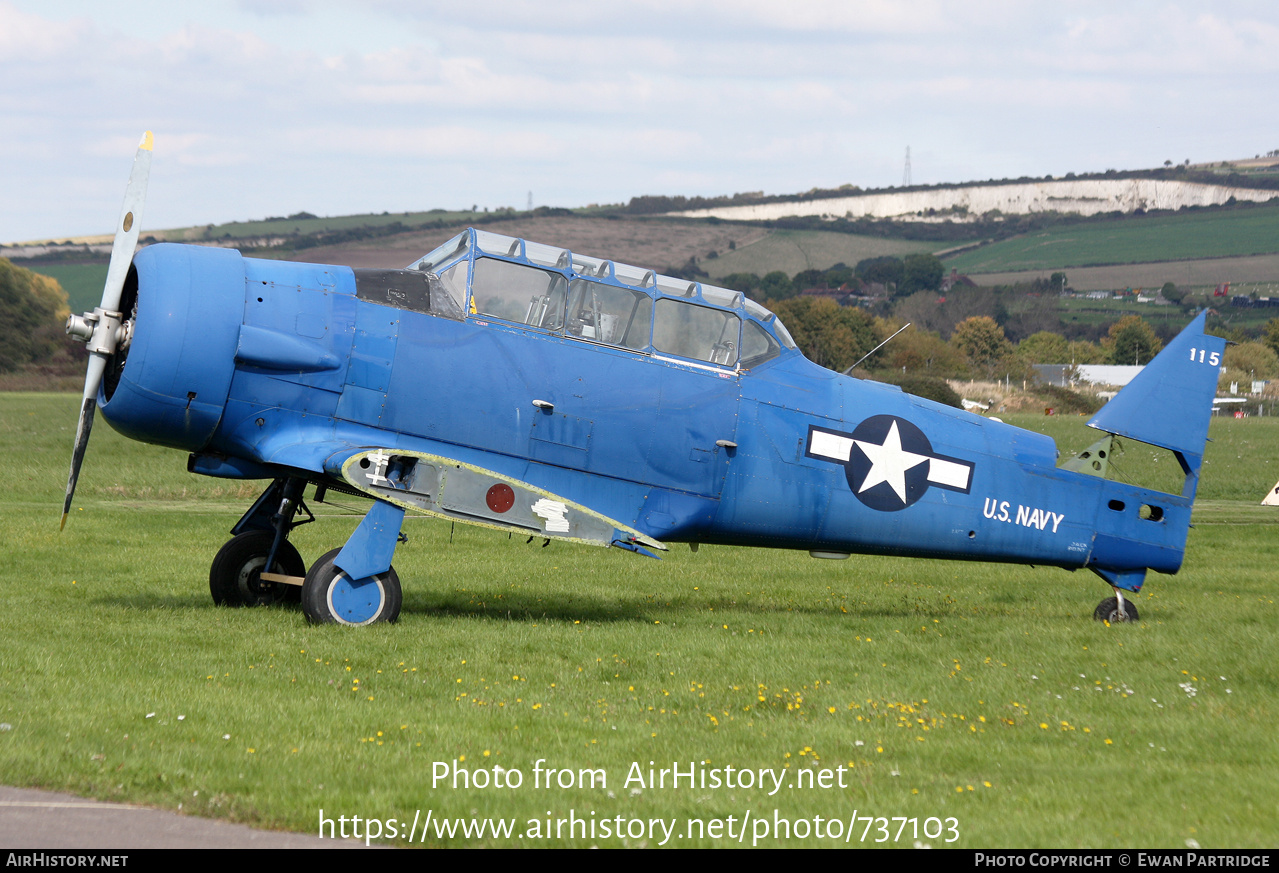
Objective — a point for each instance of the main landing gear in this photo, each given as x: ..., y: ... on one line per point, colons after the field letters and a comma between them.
x: 235, y: 579
x: 330, y: 596
x: 258, y: 566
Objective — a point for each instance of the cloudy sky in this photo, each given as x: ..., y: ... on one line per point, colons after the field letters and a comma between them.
x: 272, y: 107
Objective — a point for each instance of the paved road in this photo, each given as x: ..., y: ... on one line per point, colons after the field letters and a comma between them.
x: 33, y: 819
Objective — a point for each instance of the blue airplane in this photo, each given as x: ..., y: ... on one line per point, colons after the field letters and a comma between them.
x: 527, y: 388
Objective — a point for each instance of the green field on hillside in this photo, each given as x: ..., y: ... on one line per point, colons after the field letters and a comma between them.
x: 793, y: 251
x: 1190, y: 234
x: 305, y: 226
x: 82, y: 282
x: 979, y: 701
x: 1167, y: 319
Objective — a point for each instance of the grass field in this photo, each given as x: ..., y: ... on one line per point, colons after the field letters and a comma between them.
x: 792, y: 251
x: 1245, y: 274
x: 984, y: 694
x: 1167, y: 319
x: 82, y: 282
x: 285, y: 226
x: 1186, y: 235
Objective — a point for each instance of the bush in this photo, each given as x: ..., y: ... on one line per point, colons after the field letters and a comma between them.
x: 927, y: 387
x: 33, y: 309
x: 1067, y: 401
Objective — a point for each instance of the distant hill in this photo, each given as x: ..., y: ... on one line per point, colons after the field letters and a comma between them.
x: 1003, y: 231
x: 968, y: 203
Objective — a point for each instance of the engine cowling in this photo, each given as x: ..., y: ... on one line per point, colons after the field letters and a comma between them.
x: 169, y: 384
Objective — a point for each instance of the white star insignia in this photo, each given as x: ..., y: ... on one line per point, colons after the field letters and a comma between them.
x: 888, y: 462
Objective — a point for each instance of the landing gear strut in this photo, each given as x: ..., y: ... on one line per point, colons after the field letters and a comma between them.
x: 259, y: 565
x: 235, y: 577
x: 260, y: 545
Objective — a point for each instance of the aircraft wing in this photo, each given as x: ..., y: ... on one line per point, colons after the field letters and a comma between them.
x: 449, y: 488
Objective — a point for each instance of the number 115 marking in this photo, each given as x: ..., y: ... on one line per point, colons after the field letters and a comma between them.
x: 1198, y: 356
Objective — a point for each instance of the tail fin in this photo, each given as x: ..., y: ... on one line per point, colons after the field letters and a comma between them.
x: 1169, y: 403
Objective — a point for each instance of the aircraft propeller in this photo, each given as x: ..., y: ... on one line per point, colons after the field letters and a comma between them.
x: 106, y: 330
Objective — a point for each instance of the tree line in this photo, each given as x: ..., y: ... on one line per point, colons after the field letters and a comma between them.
x: 970, y: 333
x: 977, y: 346
x: 33, y: 314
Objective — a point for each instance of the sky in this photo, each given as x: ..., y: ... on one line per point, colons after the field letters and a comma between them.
x: 280, y: 106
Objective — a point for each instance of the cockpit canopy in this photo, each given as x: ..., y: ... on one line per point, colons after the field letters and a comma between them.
x: 486, y: 275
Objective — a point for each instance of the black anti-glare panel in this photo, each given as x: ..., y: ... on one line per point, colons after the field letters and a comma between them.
x: 403, y: 289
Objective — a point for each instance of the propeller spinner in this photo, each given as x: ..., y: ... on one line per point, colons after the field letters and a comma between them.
x: 106, y: 330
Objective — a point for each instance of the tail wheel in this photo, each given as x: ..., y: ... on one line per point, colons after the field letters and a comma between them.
x: 1108, y: 610
x: 235, y: 575
x: 330, y: 596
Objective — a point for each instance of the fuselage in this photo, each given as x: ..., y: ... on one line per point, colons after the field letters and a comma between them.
x: 701, y: 424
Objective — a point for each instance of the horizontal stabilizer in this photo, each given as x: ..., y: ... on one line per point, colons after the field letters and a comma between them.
x: 1169, y: 403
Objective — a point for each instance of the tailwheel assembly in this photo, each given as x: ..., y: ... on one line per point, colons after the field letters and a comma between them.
x: 1113, y: 610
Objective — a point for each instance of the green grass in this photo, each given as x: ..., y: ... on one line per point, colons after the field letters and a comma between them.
x: 119, y: 679
x: 1103, y: 313
x: 82, y: 282
x: 1215, y: 233
x: 792, y: 251
x: 304, y: 226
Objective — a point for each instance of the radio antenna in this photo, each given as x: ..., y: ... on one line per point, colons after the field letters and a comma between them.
x: 877, y: 348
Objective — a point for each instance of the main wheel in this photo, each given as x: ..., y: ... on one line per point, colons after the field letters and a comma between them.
x: 329, y: 596
x: 234, y: 577
x: 1108, y: 610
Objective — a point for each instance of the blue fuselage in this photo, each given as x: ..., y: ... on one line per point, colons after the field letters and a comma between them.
x: 266, y: 368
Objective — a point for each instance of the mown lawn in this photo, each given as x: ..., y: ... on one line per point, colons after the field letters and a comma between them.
x: 980, y: 693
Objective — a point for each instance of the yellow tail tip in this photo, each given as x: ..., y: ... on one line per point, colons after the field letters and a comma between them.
x: 148, y: 141
x: 64, y: 522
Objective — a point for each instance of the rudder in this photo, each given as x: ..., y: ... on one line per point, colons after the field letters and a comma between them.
x: 1169, y: 403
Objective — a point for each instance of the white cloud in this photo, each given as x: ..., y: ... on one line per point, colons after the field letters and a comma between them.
x: 268, y: 107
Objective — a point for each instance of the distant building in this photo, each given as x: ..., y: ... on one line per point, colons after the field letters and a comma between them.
x: 1060, y: 375
x: 1114, y: 375
x: 833, y: 293
x: 1246, y: 302
x: 954, y: 279
x: 844, y: 295
x: 1066, y: 375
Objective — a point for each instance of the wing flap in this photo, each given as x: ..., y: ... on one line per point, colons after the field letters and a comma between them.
x: 448, y: 488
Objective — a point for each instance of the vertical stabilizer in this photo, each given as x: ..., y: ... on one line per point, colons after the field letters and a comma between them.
x: 1169, y: 403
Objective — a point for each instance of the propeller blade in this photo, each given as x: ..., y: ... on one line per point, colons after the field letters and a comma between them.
x: 129, y: 226
x: 100, y: 328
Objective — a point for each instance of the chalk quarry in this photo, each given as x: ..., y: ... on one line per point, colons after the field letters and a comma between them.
x: 970, y: 202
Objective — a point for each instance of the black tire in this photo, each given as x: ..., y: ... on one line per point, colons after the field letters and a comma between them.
x: 1108, y: 610
x: 233, y: 576
x: 329, y: 598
